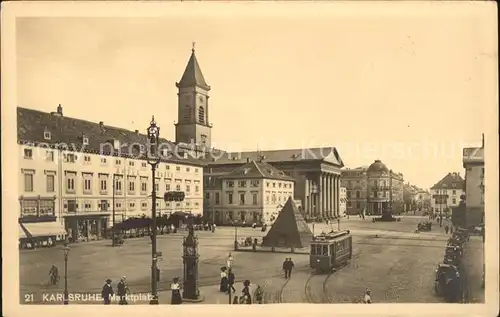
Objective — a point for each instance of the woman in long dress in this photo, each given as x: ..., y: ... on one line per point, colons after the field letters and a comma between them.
x: 223, y: 280
x: 176, y: 292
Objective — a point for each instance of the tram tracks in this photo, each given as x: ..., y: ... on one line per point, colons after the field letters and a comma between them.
x: 315, y: 289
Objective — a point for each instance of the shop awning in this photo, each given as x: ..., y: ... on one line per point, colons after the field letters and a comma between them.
x: 41, y: 229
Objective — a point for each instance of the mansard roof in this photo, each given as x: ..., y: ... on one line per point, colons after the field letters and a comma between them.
x: 32, y: 125
x: 326, y: 154
x: 259, y: 170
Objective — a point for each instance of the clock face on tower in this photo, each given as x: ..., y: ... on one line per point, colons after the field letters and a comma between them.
x: 190, y: 251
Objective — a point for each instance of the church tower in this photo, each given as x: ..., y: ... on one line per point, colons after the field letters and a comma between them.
x: 192, y: 124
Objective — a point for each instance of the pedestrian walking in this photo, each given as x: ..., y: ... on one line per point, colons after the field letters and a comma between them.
x: 230, y: 281
x: 223, y: 280
x: 285, y: 267
x: 246, y: 297
x: 176, y: 292
x: 107, y: 292
x: 290, y: 267
x: 259, y: 295
x: 230, y: 260
x: 54, y: 275
x: 122, y: 290
x: 213, y: 228
x: 368, y: 297
x: 446, y: 229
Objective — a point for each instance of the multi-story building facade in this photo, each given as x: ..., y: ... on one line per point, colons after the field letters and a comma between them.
x: 343, y: 200
x: 373, y: 189
x: 252, y: 193
x: 423, y: 199
x: 446, y: 193
x: 473, y: 162
x: 68, y: 168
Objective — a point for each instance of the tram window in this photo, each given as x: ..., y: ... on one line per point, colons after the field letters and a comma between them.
x: 313, y: 249
x: 340, y: 246
x: 325, y: 250
x: 318, y: 250
x: 331, y: 249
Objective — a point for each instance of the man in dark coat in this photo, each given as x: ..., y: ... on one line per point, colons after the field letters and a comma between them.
x: 289, y: 267
x: 230, y: 281
x: 54, y: 275
x: 107, y: 292
x: 285, y: 267
x: 121, y: 290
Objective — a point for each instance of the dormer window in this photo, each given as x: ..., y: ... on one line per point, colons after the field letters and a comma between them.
x: 46, y: 135
x: 85, y: 140
x: 116, y: 144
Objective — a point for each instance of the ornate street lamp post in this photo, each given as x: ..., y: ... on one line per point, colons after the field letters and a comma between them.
x: 153, y: 159
x: 66, y: 294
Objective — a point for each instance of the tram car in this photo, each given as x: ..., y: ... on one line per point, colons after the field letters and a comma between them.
x: 330, y: 250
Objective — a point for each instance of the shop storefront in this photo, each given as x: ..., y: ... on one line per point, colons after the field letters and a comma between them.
x: 38, y: 225
x: 87, y: 226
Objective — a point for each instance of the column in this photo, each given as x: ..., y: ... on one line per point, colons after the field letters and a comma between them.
x: 307, y: 198
x: 99, y: 228
x: 334, y: 196
x: 320, y: 195
x: 87, y: 229
x: 326, y: 197
x: 337, y: 195
x: 332, y: 190
x: 326, y: 203
x: 311, y: 198
x: 329, y: 191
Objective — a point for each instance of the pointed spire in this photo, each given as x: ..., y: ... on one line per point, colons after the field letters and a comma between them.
x: 192, y: 74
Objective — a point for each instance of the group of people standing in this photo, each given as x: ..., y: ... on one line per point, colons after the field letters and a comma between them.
x: 227, y: 280
x: 288, y: 265
x: 121, y: 290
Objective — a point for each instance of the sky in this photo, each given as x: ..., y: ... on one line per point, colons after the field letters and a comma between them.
x: 408, y: 89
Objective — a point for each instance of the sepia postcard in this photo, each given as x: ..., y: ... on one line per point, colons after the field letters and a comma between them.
x: 268, y: 155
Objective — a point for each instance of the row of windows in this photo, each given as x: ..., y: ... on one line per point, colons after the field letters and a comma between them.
x: 253, y: 183
x: 439, y: 201
x: 87, y: 159
x: 244, y: 215
x: 242, y: 198
x: 329, y: 249
x: 284, y: 185
x: 278, y: 198
x: 103, y: 184
x: 72, y: 205
x: 445, y: 192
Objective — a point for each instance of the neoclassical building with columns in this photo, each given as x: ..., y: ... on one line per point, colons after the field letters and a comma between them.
x: 316, y: 171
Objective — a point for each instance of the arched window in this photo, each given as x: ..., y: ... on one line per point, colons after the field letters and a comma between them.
x: 201, y: 115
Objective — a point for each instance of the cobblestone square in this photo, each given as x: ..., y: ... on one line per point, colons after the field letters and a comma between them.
x: 388, y: 258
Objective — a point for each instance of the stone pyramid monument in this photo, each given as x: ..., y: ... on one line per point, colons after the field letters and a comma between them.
x: 289, y: 229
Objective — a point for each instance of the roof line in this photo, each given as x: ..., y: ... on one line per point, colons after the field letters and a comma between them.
x: 258, y: 168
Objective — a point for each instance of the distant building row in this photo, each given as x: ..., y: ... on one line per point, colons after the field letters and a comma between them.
x: 373, y: 189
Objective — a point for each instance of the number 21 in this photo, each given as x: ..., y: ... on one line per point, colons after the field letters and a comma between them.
x: 28, y: 297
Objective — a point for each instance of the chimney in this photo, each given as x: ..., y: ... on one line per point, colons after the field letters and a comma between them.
x: 136, y: 131
x: 60, y: 110
x: 101, y: 123
x: 248, y: 159
x: 482, y: 141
